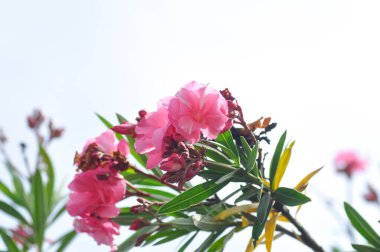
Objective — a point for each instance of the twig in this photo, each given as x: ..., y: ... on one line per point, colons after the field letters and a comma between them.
x: 305, y: 236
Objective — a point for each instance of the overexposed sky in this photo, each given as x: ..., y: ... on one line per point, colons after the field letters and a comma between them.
x: 313, y: 66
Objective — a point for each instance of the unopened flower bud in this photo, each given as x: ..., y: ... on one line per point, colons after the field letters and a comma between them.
x: 125, y: 129
x: 36, y: 119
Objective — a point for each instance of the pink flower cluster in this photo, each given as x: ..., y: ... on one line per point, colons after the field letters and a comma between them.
x: 98, y: 187
x: 349, y: 162
x: 167, y: 134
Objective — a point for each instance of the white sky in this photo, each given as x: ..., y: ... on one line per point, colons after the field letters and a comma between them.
x: 311, y: 65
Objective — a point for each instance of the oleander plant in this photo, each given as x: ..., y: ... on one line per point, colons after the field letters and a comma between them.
x: 177, y: 162
x: 31, y: 198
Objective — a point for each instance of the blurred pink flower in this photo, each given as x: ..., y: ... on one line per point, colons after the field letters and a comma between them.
x: 21, y: 233
x: 196, y: 109
x: 150, y: 134
x: 371, y: 195
x: 349, y: 162
x: 95, y: 192
x: 102, y: 230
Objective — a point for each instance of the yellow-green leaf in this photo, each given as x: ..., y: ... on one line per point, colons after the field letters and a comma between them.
x: 234, y: 210
x: 251, y: 247
x: 301, y: 186
x: 269, y: 231
x: 244, y: 222
x: 282, y: 164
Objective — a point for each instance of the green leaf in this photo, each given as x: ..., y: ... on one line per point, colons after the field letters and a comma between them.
x: 57, y: 214
x: 8, y: 209
x: 39, y: 217
x: 10, y: 194
x: 262, y: 214
x: 191, y: 197
x: 51, y: 176
x: 176, y: 234
x: 139, y: 179
x: 364, y: 248
x: 187, y: 243
x: 290, y: 197
x: 227, y: 140
x: 276, y: 158
x: 158, y: 194
x: 9, y: 243
x: 221, y: 242
x: 210, y: 239
x: 226, y: 177
x: 247, y: 194
x: 214, y: 154
x: 250, y: 154
x: 362, y: 226
x: 129, y: 243
x: 207, y: 223
x: 65, y: 240
x: 183, y: 223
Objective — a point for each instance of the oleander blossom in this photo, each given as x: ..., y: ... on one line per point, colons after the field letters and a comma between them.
x: 198, y: 109
x: 95, y: 192
x: 104, y: 151
x: 150, y: 134
x: 349, y: 162
x: 102, y: 230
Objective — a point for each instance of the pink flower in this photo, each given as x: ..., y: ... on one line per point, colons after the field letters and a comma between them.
x: 102, y: 230
x: 173, y: 163
x: 21, y: 233
x: 151, y: 131
x: 371, y: 195
x: 104, y: 151
x: 349, y: 162
x: 196, y: 109
x: 95, y: 192
x: 108, y: 144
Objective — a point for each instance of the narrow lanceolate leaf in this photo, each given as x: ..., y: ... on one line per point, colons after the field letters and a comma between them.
x: 364, y: 248
x: 39, y: 217
x: 8, y: 241
x: 290, y: 197
x: 234, y: 210
x: 362, y: 226
x: 210, y: 239
x: 214, y: 153
x: 187, y: 243
x: 247, y: 194
x: 251, y: 246
x: 207, y: 223
x: 250, y: 154
x: 171, y: 237
x: 227, y: 140
x: 8, y: 209
x: 269, y: 231
x: 184, y: 223
x: 226, y: 177
x: 262, y: 214
x: 282, y: 165
x: 221, y: 242
x: 10, y: 194
x: 129, y: 243
x: 301, y: 186
x: 65, y: 240
x: 276, y: 158
x: 191, y: 197
x: 51, y: 176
